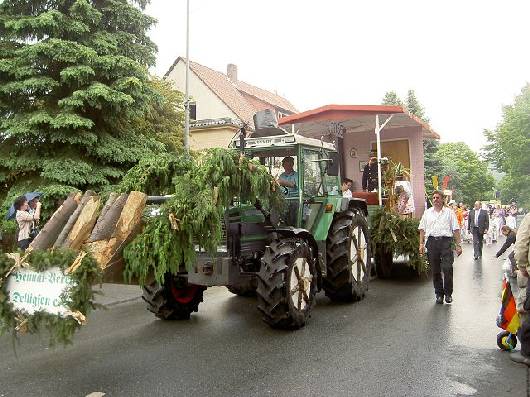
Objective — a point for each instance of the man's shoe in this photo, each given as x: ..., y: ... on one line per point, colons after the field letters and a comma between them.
x: 440, y: 299
x: 475, y: 257
x: 519, y: 358
x: 448, y: 299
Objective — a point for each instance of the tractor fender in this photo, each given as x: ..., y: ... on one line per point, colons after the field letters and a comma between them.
x: 355, y: 204
x: 306, y: 235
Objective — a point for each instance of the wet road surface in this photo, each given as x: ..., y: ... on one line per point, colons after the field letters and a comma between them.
x: 396, y: 342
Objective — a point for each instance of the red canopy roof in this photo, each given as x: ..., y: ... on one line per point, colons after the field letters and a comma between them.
x: 355, y: 118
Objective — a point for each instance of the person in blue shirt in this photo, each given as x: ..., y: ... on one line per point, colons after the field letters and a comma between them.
x: 289, y: 178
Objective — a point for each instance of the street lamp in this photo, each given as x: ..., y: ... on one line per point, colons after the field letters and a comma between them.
x: 187, y: 97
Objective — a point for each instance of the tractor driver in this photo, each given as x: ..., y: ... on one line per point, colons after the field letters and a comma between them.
x: 289, y: 178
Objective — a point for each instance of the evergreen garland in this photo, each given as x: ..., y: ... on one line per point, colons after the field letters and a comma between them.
x: 154, y: 175
x: 203, y: 187
x: 398, y: 236
x: 79, y: 297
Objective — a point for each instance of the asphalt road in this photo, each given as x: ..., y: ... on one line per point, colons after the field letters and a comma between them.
x: 396, y: 342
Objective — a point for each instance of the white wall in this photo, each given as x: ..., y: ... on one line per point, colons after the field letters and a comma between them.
x: 209, y: 106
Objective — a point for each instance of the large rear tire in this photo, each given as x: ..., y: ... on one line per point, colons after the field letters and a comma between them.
x: 287, y: 283
x: 348, y: 258
x: 175, y: 299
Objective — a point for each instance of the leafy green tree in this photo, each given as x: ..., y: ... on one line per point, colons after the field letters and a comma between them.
x: 73, y: 85
x: 508, y: 149
x: 391, y: 98
x: 432, y: 163
x: 164, y: 118
x: 471, y: 179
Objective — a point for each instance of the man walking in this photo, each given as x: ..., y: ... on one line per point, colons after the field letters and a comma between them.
x: 438, y: 227
x: 478, y: 224
x: 522, y: 259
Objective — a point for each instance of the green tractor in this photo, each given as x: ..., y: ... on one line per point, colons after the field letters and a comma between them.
x: 319, y: 242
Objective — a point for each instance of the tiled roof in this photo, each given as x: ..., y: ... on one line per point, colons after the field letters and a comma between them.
x: 231, y: 93
x: 266, y: 96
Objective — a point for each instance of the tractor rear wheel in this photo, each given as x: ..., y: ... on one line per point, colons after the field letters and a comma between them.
x: 175, y: 299
x: 348, y: 258
x: 287, y: 283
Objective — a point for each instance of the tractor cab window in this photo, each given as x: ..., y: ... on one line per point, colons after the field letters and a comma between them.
x: 282, y: 165
x: 314, y: 171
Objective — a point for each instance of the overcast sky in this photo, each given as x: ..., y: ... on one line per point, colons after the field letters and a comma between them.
x: 465, y: 59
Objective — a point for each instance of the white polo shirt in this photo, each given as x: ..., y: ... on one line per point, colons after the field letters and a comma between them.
x: 439, y: 224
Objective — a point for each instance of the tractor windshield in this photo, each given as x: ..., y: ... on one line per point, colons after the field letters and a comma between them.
x: 283, y: 166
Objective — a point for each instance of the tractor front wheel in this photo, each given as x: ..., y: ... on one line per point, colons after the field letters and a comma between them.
x: 348, y: 258
x: 175, y: 299
x: 287, y: 283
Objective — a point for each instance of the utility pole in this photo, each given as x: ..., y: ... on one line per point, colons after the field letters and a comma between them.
x: 187, y: 95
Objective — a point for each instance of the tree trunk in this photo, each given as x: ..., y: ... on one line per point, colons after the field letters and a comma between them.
x: 49, y: 233
x: 73, y: 218
x: 106, y: 225
x: 84, y: 224
x: 102, y: 215
x: 131, y: 216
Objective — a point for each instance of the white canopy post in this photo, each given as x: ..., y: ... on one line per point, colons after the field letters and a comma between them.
x: 378, y: 129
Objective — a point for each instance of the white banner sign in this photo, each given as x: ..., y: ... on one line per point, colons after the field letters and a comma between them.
x: 32, y: 291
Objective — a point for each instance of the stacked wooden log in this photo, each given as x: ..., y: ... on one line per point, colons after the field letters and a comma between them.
x: 79, y: 224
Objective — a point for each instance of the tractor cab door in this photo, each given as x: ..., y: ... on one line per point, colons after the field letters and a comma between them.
x: 317, y: 185
x: 314, y: 186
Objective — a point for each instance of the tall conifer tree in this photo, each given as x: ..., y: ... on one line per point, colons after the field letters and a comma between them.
x: 73, y: 80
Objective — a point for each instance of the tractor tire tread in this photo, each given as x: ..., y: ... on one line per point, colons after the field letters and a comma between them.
x: 161, y: 303
x: 273, y: 300
x: 337, y: 284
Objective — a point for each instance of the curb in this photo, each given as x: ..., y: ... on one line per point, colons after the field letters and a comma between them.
x: 120, y: 301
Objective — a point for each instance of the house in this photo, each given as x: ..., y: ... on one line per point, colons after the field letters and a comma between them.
x: 221, y: 103
x: 401, y: 139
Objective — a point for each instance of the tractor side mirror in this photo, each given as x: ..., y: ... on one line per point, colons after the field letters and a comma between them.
x: 333, y: 165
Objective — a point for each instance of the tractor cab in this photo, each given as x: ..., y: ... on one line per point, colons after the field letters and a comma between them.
x: 306, y: 170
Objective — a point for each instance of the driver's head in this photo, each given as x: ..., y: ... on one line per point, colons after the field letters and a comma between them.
x: 288, y: 164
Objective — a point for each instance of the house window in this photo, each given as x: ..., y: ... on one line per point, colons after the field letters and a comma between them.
x: 280, y: 115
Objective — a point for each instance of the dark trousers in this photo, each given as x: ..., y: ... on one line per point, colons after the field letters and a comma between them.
x: 478, y: 239
x: 524, y: 332
x: 440, y: 256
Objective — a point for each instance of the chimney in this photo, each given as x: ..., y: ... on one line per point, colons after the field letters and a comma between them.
x: 231, y: 72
